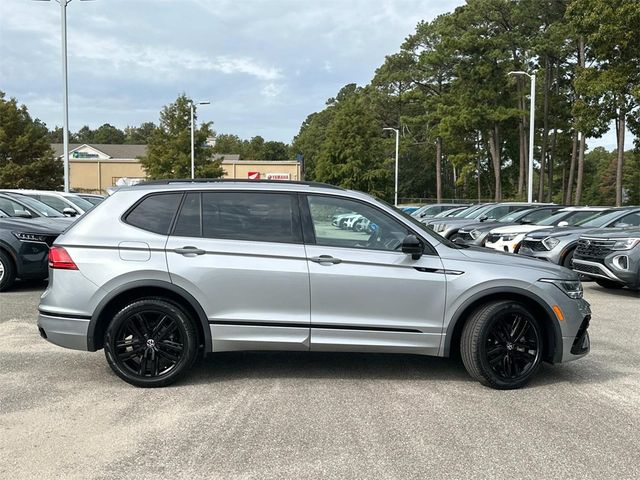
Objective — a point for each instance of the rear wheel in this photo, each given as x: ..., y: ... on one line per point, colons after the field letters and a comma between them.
x: 150, y: 343
x: 501, y: 345
x: 609, y: 284
x: 7, y: 271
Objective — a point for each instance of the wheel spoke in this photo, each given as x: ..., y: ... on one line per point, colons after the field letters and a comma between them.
x: 168, y: 356
x: 164, y: 344
x: 158, y: 325
x: 129, y: 354
x: 508, y: 365
x: 496, y: 351
x: 519, y: 329
x: 172, y: 327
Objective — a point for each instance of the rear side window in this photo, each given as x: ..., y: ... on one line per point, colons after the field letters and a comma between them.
x: 189, y: 222
x: 155, y: 213
x: 261, y: 217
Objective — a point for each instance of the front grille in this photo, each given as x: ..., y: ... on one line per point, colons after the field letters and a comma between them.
x: 493, y: 237
x: 534, y: 245
x: 582, y: 268
x: 581, y: 344
x: 589, y: 248
x: 465, y: 236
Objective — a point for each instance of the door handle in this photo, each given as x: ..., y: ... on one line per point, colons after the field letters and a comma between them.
x: 325, y: 259
x: 189, y: 251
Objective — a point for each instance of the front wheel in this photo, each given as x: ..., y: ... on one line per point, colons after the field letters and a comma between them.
x: 150, y: 343
x: 501, y: 345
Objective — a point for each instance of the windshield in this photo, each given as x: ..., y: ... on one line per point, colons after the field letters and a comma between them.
x: 450, y: 213
x: 468, y: 211
x: 515, y: 216
x: 423, y: 228
x: 600, y: 219
x: 553, y: 219
x: 80, y: 202
x: 93, y: 200
x: 38, y: 206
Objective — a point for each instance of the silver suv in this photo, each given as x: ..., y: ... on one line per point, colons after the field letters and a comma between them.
x: 163, y: 272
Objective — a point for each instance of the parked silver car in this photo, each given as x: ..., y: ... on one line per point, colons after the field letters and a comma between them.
x: 160, y: 273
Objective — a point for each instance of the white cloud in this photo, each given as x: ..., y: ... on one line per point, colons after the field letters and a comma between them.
x: 272, y: 90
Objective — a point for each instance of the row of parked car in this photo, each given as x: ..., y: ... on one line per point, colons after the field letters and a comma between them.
x: 602, y: 243
x: 30, y: 221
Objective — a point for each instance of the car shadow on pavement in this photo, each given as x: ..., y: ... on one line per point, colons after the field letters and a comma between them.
x: 233, y: 366
x: 317, y: 365
x: 28, y: 286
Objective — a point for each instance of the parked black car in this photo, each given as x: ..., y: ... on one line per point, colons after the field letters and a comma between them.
x: 24, y: 247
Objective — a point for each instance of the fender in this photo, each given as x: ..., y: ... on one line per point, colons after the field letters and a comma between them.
x: 186, y: 296
x: 457, y: 316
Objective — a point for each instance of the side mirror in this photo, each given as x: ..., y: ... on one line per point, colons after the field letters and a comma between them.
x: 23, y: 214
x: 563, y: 223
x: 525, y: 221
x: 483, y: 218
x: 69, y: 212
x: 412, y: 246
x: 621, y: 225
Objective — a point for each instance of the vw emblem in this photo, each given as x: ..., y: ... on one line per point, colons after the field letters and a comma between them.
x: 151, y: 343
x: 587, y: 243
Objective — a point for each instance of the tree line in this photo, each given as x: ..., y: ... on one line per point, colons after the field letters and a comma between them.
x: 464, y: 119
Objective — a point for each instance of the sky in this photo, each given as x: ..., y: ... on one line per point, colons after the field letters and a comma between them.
x: 263, y: 64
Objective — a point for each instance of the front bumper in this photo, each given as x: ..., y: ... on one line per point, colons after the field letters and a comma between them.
x: 510, y: 246
x: 610, y: 270
x: 64, y: 331
x: 575, y: 335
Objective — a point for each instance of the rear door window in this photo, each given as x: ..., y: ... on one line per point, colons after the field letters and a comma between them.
x: 155, y: 213
x: 259, y: 217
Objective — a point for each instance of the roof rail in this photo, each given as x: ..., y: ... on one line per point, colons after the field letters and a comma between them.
x: 232, y: 180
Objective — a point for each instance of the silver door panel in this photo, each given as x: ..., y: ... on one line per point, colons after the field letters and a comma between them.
x: 330, y: 340
x: 241, y: 337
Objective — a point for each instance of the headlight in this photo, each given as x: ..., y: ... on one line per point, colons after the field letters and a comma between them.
x: 475, y: 233
x: 550, y: 243
x: 572, y: 288
x: 30, y: 237
x: 508, y: 237
x: 626, y: 243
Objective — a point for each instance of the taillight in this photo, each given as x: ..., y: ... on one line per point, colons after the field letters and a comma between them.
x: 60, y: 258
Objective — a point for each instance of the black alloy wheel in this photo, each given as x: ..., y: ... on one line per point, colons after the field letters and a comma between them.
x: 150, y: 343
x: 502, y: 345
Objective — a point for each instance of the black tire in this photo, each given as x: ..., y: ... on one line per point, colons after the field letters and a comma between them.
x: 567, y: 261
x: 7, y: 271
x: 151, y: 343
x: 608, y: 284
x: 501, y: 345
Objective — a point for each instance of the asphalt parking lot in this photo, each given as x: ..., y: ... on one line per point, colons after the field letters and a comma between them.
x: 63, y: 414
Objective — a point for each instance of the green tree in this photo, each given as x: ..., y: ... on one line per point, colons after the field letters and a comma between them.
x: 169, y: 147
x: 26, y: 158
x: 139, y: 135
x: 227, y: 143
x: 84, y: 135
x: 353, y: 153
x: 275, y: 151
x: 107, y: 133
x: 609, y: 28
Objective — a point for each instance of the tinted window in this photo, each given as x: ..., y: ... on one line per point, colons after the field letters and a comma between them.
x: 365, y: 227
x: 155, y: 213
x: 631, y: 220
x: 261, y: 217
x: 188, y: 223
x: 599, y: 219
x: 10, y: 207
x: 53, y: 201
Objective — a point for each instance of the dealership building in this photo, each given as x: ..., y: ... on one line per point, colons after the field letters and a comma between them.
x: 96, y: 167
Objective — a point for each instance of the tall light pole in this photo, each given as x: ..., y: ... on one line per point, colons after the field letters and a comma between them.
x: 532, y: 121
x: 395, y: 190
x: 193, y: 156
x: 65, y: 91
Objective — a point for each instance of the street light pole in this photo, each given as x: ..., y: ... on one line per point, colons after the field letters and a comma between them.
x: 193, y: 156
x: 395, y: 191
x: 532, y: 121
x: 65, y: 93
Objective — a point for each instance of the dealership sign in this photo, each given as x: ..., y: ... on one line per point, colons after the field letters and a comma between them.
x: 278, y: 176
